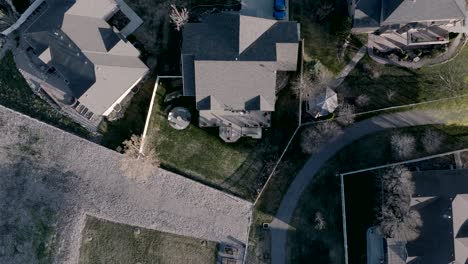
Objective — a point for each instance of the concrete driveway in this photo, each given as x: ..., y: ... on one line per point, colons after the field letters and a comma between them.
x: 261, y: 8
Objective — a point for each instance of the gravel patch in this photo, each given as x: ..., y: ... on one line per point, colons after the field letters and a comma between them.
x: 43, y: 169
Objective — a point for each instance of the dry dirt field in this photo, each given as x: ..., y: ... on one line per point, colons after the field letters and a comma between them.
x: 50, y: 180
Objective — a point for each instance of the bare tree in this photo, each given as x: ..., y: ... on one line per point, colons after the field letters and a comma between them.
x: 452, y: 78
x: 179, y: 18
x: 346, y: 114
x: 404, y: 228
x: 397, y: 219
x: 391, y: 95
x: 312, y: 82
x: 403, y: 146
x: 372, y: 71
x: 313, y: 138
x: 362, y: 100
x: 432, y: 140
x: 320, y: 223
x: 136, y: 165
x: 7, y: 18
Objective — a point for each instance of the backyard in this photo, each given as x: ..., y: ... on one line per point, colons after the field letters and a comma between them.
x: 17, y: 95
x: 239, y: 168
x: 388, y: 85
x: 108, y: 242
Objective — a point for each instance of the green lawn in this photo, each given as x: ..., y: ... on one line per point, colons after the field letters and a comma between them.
x: 324, y: 31
x: 239, y: 168
x: 17, y: 95
x: 408, y: 85
x: 108, y: 242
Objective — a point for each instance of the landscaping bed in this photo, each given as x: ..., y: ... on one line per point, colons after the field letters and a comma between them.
x: 108, y: 242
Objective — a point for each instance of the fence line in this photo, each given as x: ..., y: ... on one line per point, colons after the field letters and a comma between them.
x: 150, y: 110
x: 343, y: 215
x: 405, y: 162
x: 388, y: 108
x: 293, y: 135
x: 343, y: 206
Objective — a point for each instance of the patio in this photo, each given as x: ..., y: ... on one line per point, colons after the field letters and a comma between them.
x: 410, y: 39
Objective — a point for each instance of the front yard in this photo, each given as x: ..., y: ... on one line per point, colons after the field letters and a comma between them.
x: 108, y: 242
x: 239, y: 168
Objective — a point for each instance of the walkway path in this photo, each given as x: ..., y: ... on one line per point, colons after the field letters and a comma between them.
x: 349, y: 67
x: 279, y: 227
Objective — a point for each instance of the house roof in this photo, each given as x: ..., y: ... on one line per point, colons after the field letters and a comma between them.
x: 99, y: 65
x: 324, y: 103
x: 442, y: 201
x: 233, y: 59
x: 406, y: 11
x: 374, y: 13
x: 236, y: 85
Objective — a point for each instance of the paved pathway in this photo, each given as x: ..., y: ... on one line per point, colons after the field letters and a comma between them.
x: 349, y: 67
x: 284, y: 214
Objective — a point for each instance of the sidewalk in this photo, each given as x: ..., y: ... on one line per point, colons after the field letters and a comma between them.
x: 349, y: 67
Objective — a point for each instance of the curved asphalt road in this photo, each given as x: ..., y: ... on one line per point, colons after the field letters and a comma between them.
x: 279, y: 226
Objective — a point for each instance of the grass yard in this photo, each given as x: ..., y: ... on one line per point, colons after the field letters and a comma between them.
x: 324, y: 26
x: 240, y: 168
x: 17, y: 95
x: 388, y: 85
x: 108, y: 242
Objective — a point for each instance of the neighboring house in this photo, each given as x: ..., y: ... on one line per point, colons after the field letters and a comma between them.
x: 77, y: 53
x: 230, y: 64
x: 441, y: 198
x: 420, y: 22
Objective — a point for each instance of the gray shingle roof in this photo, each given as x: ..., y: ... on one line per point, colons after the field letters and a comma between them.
x: 233, y: 59
x: 374, y: 13
x: 234, y: 83
x: 420, y: 10
x: 99, y: 65
x: 441, y: 199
